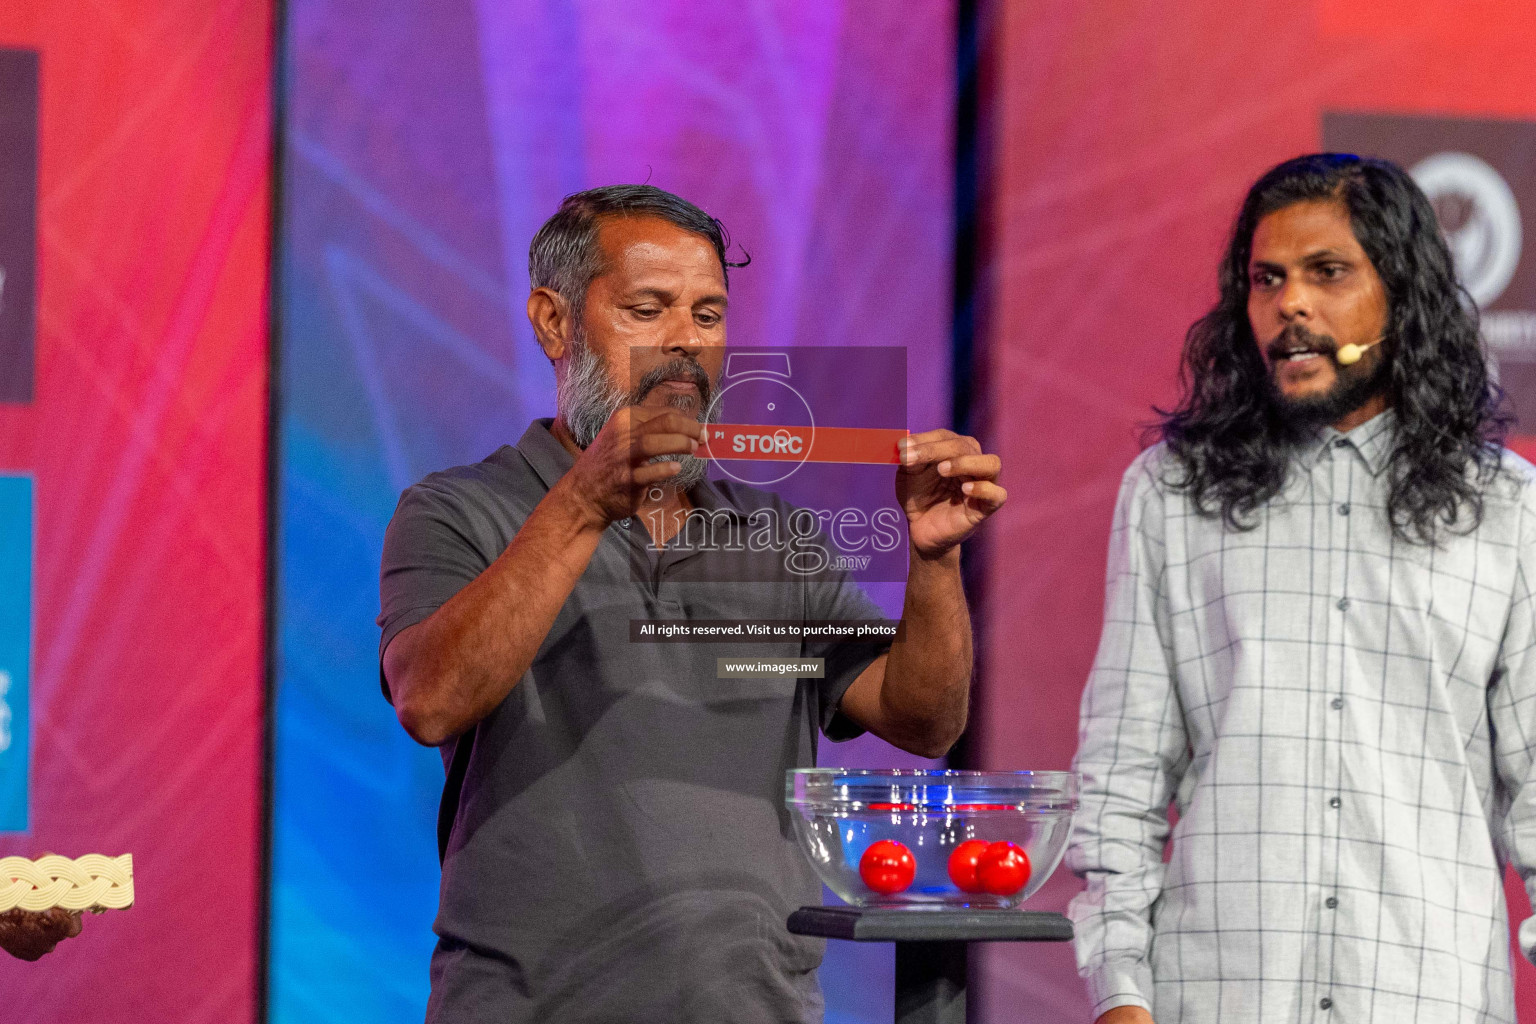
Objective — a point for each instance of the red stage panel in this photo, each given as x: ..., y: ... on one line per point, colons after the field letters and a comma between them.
x: 146, y: 441
x: 1125, y: 137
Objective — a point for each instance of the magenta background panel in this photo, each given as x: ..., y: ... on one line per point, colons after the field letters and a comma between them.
x: 145, y: 439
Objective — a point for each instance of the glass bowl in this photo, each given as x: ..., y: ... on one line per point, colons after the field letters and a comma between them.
x: 839, y: 814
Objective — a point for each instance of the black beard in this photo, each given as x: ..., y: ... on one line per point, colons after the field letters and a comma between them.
x: 1353, y: 386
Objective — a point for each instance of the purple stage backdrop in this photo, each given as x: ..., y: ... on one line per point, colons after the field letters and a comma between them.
x: 425, y: 144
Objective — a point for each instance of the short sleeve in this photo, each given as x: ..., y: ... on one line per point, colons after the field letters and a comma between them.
x: 428, y: 557
x: 840, y: 598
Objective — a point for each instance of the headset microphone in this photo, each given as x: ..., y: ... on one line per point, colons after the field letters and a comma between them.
x: 1349, y: 355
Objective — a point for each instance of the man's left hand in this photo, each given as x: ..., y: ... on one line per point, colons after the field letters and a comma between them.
x: 29, y: 934
x: 947, y: 486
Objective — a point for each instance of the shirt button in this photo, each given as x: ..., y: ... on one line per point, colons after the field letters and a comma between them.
x: 1331, y: 902
x: 624, y: 523
x: 1334, y: 802
x: 1343, y: 604
x: 1344, y: 509
x: 1341, y: 443
x: 1325, y: 1003
x: 1336, y: 703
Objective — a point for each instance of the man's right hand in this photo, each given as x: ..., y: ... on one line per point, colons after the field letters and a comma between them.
x: 609, y: 480
x: 1125, y: 1015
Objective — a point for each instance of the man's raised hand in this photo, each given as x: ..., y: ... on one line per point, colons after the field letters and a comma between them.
x: 611, y: 476
x: 947, y: 486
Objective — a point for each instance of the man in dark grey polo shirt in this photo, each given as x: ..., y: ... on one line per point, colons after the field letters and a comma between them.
x: 615, y: 842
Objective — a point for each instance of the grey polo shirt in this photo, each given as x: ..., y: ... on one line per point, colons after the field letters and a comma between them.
x: 620, y: 850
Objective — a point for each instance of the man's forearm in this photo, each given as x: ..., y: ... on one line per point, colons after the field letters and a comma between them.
x: 925, y: 697
x: 452, y: 669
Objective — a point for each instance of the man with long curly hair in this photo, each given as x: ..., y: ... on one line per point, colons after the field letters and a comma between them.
x: 1319, y: 643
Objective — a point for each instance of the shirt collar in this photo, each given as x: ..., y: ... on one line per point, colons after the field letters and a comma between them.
x: 712, y: 498
x: 545, y: 455
x: 1371, y: 440
x: 551, y: 460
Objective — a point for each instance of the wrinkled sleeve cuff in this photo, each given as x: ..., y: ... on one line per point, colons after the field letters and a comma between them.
x: 1126, y: 983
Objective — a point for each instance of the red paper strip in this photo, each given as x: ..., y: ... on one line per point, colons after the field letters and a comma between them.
x: 863, y: 445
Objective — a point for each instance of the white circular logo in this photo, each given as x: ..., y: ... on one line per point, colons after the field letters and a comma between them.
x: 1480, y: 218
x: 757, y: 392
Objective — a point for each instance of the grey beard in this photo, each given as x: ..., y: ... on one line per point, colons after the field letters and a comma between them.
x: 586, y: 400
x: 583, y: 395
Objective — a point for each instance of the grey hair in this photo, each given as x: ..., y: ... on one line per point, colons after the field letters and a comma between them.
x: 565, y: 257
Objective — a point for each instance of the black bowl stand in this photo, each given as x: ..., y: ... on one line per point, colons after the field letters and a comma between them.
x: 931, y: 947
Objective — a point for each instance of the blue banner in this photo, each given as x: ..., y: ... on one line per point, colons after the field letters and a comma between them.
x: 15, y: 647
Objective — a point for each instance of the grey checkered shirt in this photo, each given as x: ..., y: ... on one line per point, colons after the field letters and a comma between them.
x: 1345, y: 725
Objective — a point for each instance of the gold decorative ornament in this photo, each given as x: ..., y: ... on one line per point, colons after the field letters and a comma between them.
x: 92, y: 882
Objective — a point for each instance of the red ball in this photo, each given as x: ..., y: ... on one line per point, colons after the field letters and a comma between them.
x: 887, y: 867
x: 962, y: 865
x: 1003, y: 869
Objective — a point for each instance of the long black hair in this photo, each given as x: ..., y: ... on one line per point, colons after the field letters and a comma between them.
x: 1230, y: 443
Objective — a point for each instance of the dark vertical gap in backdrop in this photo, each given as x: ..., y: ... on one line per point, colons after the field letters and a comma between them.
x: 974, y: 63
x: 972, y: 269
x: 276, y: 135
